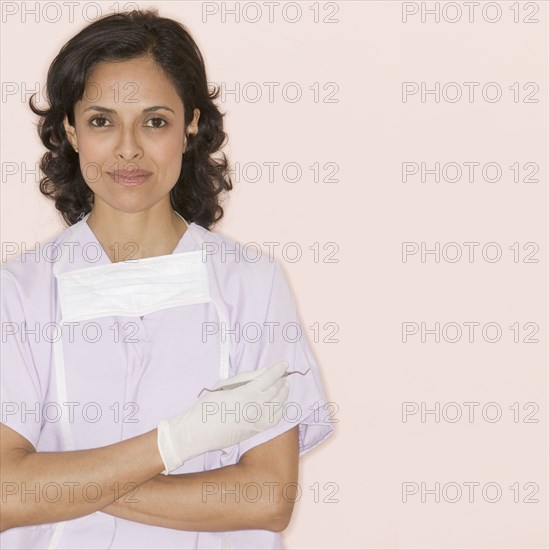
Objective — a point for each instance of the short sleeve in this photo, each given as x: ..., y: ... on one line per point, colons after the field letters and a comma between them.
x: 20, y: 395
x: 284, y: 339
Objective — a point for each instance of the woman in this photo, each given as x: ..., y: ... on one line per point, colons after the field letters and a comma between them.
x: 106, y: 400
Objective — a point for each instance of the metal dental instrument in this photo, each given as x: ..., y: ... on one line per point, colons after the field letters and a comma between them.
x: 237, y: 384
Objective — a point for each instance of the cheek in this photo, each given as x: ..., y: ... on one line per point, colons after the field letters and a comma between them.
x: 92, y: 172
x: 168, y: 158
x: 93, y: 149
x: 92, y: 165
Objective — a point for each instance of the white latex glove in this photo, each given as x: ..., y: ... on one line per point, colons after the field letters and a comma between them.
x: 212, y: 423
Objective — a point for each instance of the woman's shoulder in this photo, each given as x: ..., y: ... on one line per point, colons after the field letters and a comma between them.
x: 247, y: 259
x: 28, y: 271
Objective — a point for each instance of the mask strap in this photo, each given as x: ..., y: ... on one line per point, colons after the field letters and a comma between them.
x: 182, y: 218
x: 198, y: 239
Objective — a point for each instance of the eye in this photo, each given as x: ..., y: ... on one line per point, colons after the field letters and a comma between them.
x: 102, y: 118
x: 158, y: 119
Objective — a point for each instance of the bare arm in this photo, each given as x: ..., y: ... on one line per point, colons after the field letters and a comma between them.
x: 85, y: 481
x: 256, y: 493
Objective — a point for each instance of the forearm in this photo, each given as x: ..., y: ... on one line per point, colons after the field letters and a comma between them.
x: 39, y: 487
x: 235, y: 497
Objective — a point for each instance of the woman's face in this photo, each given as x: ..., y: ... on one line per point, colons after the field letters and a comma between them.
x: 130, y: 134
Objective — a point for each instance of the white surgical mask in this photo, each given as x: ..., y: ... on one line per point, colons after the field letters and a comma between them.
x: 135, y: 287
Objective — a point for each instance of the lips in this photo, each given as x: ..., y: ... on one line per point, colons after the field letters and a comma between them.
x: 129, y: 173
x: 129, y: 178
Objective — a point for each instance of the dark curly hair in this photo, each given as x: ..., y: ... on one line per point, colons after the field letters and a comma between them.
x: 120, y: 37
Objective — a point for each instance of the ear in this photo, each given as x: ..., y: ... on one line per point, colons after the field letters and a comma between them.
x: 71, y: 133
x: 194, y: 124
x: 192, y: 127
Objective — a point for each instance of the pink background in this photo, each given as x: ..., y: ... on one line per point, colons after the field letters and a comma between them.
x: 368, y: 212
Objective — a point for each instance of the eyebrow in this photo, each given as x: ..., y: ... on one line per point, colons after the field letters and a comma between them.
x: 106, y: 110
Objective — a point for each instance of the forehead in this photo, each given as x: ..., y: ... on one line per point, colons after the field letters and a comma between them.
x: 131, y: 83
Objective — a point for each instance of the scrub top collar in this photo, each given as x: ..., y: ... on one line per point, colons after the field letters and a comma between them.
x: 82, y: 248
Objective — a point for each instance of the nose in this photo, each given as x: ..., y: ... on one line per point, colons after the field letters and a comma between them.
x: 128, y: 147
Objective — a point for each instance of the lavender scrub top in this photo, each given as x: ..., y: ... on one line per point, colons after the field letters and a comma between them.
x: 123, y: 374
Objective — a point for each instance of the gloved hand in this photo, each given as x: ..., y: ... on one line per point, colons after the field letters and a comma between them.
x: 212, y: 423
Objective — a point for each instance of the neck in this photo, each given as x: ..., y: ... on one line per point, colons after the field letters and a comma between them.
x: 132, y: 236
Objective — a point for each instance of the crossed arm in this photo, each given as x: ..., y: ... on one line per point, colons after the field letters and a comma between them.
x: 256, y: 493
x: 200, y: 501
